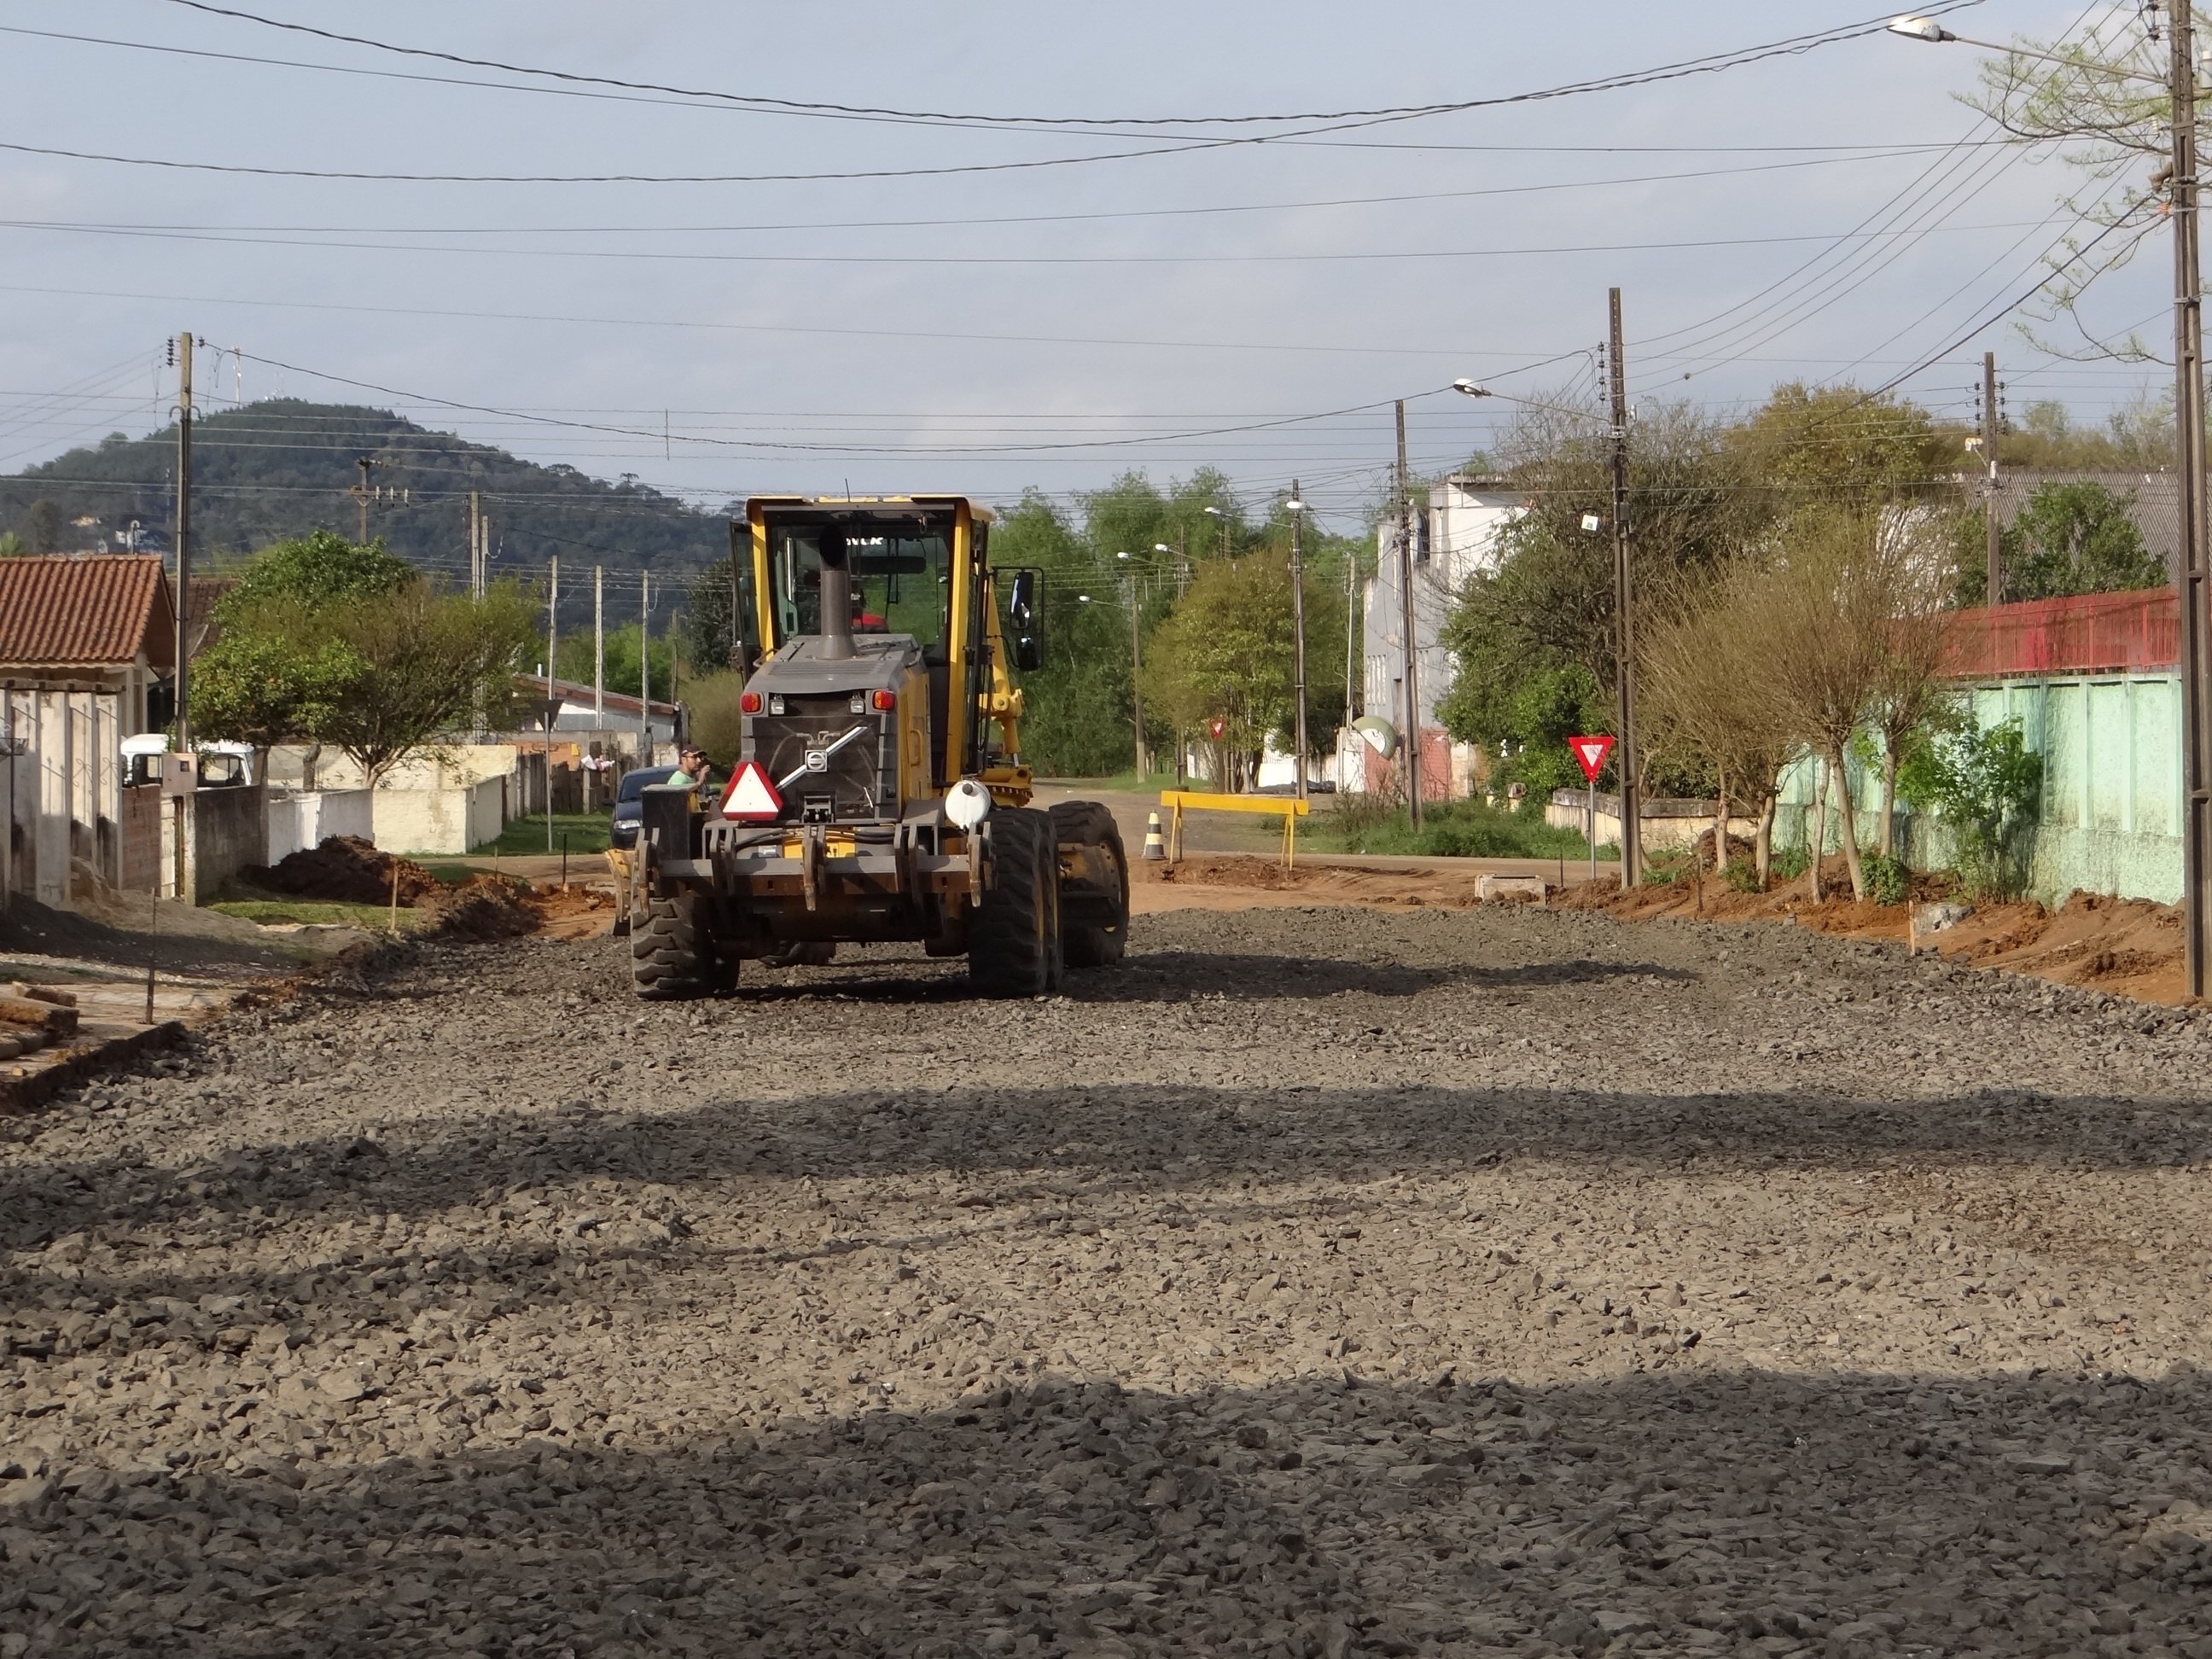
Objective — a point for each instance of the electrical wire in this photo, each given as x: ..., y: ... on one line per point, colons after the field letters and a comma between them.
x: 1789, y: 46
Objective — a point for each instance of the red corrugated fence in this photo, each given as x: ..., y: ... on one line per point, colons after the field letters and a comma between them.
x: 2093, y: 633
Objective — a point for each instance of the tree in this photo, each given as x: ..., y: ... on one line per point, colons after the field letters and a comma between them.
x: 424, y: 660
x: 1226, y: 654
x: 315, y: 569
x: 573, y: 660
x: 1822, y: 612
x: 1702, y: 667
x: 2077, y: 538
x: 2104, y: 103
x: 1836, y: 446
x: 11, y: 545
x: 1909, y: 693
x: 328, y: 642
x: 265, y: 684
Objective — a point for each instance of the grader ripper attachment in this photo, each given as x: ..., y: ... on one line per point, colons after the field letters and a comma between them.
x: 879, y: 794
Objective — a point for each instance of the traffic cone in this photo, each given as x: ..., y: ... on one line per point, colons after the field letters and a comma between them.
x: 1155, y: 845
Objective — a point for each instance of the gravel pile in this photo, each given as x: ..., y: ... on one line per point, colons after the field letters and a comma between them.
x: 1323, y: 1283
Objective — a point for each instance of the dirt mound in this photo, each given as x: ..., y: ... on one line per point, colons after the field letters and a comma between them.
x: 345, y: 870
x: 486, y: 907
x: 1266, y: 874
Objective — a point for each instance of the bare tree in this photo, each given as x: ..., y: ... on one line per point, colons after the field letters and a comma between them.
x: 1702, y: 664
x: 1822, y: 616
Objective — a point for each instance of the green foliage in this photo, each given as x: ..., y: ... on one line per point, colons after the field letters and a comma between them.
x: 571, y: 660
x: 1787, y: 863
x: 1888, y: 882
x: 1837, y: 447
x: 1985, y: 786
x: 369, y: 918
x: 716, y: 720
x: 1076, y: 717
x: 2076, y: 538
x: 270, y: 677
x: 317, y: 568
x: 1450, y: 830
x: 12, y: 546
x: 1741, y: 874
x: 2138, y: 436
x: 1525, y: 718
x: 333, y: 643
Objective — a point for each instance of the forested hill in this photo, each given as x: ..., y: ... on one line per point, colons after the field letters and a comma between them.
x: 285, y: 466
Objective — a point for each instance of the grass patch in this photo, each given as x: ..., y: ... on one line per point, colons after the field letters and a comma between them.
x: 1460, y: 829
x: 369, y: 918
x: 586, y: 833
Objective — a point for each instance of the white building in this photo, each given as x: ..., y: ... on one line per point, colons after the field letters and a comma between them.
x: 1455, y: 537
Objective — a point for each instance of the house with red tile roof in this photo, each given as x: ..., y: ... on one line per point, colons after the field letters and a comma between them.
x: 88, y: 656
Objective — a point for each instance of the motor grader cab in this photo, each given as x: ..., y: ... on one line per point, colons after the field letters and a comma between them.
x: 879, y: 792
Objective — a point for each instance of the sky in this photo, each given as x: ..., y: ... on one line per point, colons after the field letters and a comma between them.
x: 1032, y: 305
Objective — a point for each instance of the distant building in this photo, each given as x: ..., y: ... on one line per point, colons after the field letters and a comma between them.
x: 1453, y: 538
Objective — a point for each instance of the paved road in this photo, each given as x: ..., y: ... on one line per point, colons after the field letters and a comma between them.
x: 1319, y: 1283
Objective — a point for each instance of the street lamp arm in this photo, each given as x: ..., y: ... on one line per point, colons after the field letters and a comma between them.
x: 1467, y: 388
x: 1925, y: 28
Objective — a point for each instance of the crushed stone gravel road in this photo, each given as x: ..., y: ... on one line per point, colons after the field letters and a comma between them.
x: 1321, y: 1283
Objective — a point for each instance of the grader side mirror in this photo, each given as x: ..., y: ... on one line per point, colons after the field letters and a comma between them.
x: 1025, y: 613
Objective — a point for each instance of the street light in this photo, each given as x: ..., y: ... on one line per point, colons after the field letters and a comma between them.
x: 2180, y: 180
x: 1216, y: 513
x: 1928, y: 29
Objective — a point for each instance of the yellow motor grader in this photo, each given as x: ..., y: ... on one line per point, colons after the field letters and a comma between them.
x: 879, y: 794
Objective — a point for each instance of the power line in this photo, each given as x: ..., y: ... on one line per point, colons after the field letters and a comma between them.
x: 1710, y: 63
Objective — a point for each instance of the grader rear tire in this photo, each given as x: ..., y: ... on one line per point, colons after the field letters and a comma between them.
x: 1013, y: 940
x: 1094, y: 930
x: 671, y: 953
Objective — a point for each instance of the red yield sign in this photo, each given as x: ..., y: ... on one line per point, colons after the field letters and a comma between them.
x: 1590, y: 752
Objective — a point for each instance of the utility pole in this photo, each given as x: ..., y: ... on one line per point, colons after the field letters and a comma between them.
x: 184, y: 553
x: 1406, y: 626
x: 1298, y: 629
x: 2188, y: 473
x: 552, y: 618
x: 476, y: 545
x: 1137, y: 674
x: 645, y: 663
x: 1994, y: 588
x: 363, y: 494
x: 1624, y: 621
x: 599, y: 647
x: 1350, y: 629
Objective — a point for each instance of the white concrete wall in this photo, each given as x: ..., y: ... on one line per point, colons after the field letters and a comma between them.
x: 303, y: 820
x: 1463, y: 521
x: 451, y: 820
x: 64, y: 789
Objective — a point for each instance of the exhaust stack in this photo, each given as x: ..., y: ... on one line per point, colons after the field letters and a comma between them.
x: 837, y: 598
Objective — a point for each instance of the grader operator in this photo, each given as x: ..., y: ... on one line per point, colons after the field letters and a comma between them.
x: 879, y: 792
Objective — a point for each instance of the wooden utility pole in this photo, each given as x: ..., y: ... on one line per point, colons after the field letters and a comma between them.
x: 599, y: 647
x: 1624, y: 621
x: 2189, y: 476
x: 1994, y: 589
x: 1412, y: 710
x: 363, y: 494
x: 1136, y: 672
x: 476, y: 545
x: 184, y: 541
x: 1298, y: 629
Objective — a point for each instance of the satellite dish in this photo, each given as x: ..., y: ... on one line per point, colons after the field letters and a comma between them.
x: 1377, y: 734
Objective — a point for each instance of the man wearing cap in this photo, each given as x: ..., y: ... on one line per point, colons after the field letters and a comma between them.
x: 691, y: 770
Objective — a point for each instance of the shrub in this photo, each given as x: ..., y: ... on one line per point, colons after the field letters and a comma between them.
x: 1789, y: 862
x: 1888, y: 882
x: 1743, y: 875
x: 1985, y: 786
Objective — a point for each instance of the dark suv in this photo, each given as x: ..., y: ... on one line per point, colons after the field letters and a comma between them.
x: 621, y: 830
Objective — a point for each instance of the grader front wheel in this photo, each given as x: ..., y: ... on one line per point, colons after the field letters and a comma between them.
x: 1013, y: 940
x: 672, y: 953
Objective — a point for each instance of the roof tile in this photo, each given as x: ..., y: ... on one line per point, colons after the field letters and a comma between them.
x: 64, y: 609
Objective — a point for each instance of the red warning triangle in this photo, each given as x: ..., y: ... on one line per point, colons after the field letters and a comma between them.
x: 751, y: 794
x: 1590, y: 752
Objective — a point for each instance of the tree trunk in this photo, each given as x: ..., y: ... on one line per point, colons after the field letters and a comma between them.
x: 1848, y: 827
x: 307, y: 765
x: 1819, y: 839
x: 1889, y: 796
x: 1720, y: 820
x: 1762, y: 845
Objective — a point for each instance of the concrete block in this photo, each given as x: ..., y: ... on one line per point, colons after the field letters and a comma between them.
x: 1509, y: 887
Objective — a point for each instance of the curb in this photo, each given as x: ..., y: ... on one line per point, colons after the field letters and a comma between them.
x: 20, y: 1095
